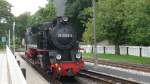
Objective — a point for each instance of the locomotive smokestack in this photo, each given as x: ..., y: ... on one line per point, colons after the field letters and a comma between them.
x: 60, y: 7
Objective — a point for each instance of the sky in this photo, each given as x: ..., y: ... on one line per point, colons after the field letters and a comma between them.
x: 21, y: 6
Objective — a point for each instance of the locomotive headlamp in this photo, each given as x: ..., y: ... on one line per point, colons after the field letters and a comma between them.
x: 58, y: 57
x: 65, y: 19
x: 78, y: 56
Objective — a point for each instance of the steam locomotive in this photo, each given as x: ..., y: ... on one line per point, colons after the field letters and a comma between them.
x: 54, y: 46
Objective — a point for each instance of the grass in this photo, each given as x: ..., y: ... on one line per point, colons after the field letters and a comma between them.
x: 121, y: 58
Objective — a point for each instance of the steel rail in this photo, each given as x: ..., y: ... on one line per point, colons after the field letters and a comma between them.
x: 106, y: 78
x: 131, y: 66
x: 41, y: 71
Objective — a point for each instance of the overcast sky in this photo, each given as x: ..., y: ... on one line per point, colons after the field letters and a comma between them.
x: 21, y: 6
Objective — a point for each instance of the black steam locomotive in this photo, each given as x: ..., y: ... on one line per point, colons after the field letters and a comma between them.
x: 54, y: 46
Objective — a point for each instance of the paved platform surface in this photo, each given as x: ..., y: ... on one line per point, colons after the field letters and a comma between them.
x: 32, y: 76
x: 141, y: 78
x: 3, y: 69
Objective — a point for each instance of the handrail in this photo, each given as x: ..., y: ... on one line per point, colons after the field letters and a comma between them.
x: 15, y: 74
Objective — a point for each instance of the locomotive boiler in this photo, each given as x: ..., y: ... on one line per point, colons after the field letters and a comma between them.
x: 54, y: 46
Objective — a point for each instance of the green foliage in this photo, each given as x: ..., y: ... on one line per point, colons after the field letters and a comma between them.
x: 88, y: 36
x: 43, y: 15
x: 120, y: 22
x: 21, y: 25
x: 6, y: 17
x: 74, y: 10
x: 26, y: 20
x: 137, y: 20
x: 109, y: 21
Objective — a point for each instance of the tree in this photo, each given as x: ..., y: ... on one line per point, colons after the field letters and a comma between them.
x: 110, y: 18
x: 26, y: 20
x: 121, y: 22
x: 22, y: 22
x: 88, y: 34
x: 137, y: 20
x: 44, y: 14
x: 74, y: 10
x: 6, y: 17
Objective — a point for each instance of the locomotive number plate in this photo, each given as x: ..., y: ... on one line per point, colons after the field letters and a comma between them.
x: 65, y: 35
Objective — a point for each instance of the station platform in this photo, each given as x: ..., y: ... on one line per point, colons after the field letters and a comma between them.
x: 10, y: 71
x: 140, y: 77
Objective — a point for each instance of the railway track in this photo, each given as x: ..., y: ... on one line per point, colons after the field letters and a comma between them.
x: 41, y: 71
x: 105, y: 78
x: 48, y: 78
x: 131, y: 66
x: 100, y: 77
x: 137, y: 67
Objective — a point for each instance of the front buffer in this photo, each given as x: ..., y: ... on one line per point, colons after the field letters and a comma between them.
x: 68, y: 68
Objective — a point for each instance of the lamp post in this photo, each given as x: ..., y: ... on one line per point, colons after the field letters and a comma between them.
x: 94, y: 31
x: 14, y: 37
x: 9, y: 38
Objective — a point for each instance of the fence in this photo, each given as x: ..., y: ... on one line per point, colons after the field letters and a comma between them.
x: 15, y: 74
x: 124, y: 50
